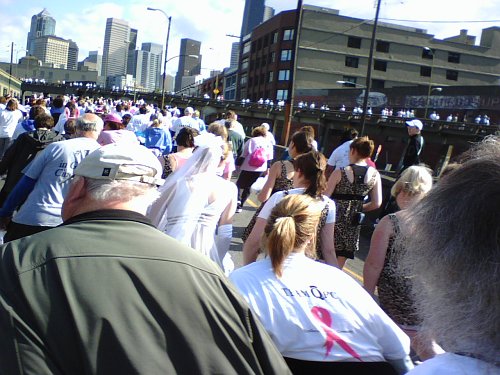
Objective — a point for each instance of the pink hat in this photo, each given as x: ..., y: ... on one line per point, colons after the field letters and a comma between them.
x: 112, y: 117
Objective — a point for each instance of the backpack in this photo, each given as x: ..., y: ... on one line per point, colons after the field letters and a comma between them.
x: 258, y: 157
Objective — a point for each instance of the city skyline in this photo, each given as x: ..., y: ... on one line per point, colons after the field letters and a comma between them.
x: 86, y: 24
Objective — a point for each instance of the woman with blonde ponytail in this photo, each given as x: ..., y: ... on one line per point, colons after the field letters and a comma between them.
x: 320, y: 319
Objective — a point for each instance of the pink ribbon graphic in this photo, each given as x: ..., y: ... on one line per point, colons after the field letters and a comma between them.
x: 323, y: 315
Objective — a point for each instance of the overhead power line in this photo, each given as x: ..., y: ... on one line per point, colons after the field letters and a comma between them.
x: 423, y: 21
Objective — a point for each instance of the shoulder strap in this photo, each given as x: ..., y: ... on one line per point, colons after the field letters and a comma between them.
x: 359, y: 173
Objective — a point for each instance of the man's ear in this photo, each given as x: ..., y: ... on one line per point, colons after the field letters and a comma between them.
x: 74, y: 198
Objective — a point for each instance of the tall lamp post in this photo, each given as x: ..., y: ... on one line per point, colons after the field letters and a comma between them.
x: 369, y: 69
x: 430, y: 52
x: 169, y: 19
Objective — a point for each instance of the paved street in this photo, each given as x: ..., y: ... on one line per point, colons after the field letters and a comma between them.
x: 353, y: 267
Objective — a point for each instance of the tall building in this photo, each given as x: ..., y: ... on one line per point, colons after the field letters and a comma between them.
x: 268, y: 13
x: 52, y: 51
x: 72, y: 55
x: 252, y: 15
x: 131, y: 63
x: 92, y: 62
x: 189, y: 65
x: 42, y: 24
x: 235, y: 55
x: 156, y: 51
x: 115, y: 49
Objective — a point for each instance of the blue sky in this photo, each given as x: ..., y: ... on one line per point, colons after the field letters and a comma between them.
x: 210, y: 20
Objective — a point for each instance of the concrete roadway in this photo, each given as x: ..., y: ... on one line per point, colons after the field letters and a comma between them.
x: 353, y: 267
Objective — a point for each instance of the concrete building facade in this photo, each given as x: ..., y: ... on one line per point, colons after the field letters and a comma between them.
x: 52, y: 51
x: 333, y: 48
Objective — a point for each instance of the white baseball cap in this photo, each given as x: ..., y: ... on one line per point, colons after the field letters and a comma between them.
x: 121, y: 162
x: 415, y: 124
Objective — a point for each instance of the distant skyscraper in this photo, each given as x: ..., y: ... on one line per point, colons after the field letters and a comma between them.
x: 72, y: 55
x: 115, y: 49
x: 156, y: 51
x: 235, y: 54
x: 188, y: 65
x: 252, y: 16
x: 52, y: 51
x: 131, y: 63
x: 268, y: 13
x: 42, y: 24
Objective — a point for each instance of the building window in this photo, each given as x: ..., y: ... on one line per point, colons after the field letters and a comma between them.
x: 281, y: 94
x: 266, y: 41
x: 286, y: 55
x: 452, y: 75
x: 454, y: 57
x: 284, y: 75
x: 380, y: 65
x: 243, y: 80
x: 427, y: 53
x: 378, y: 83
x: 272, y: 57
x: 259, y: 44
x: 257, y: 63
x: 351, y: 62
x: 264, y: 60
x: 275, y: 37
x: 254, y: 46
x: 349, y: 81
x: 246, y: 47
x: 382, y: 46
x: 244, y: 63
x: 270, y: 77
x: 288, y: 34
x: 425, y: 71
x: 354, y: 42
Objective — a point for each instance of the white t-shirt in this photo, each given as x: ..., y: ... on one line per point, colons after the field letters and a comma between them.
x: 138, y: 123
x: 340, y: 156
x: 8, y: 122
x: 52, y: 169
x: 278, y: 196
x: 453, y: 364
x: 184, y: 122
x: 316, y: 312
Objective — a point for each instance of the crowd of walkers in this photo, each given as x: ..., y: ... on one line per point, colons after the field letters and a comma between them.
x: 119, y: 218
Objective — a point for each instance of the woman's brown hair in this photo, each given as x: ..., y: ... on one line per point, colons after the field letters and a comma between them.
x: 363, y: 146
x: 312, y: 165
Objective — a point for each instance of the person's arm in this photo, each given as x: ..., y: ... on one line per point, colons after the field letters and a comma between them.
x: 374, y: 262
x: 266, y: 191
x: 17, y: 196
x: 375, y: 195
x: 328, y: 244
x: 252, y: 244
x: 332, y: 182
x: 167, y: 142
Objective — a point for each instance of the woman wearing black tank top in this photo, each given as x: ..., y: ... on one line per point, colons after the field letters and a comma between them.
x: 348, y: 187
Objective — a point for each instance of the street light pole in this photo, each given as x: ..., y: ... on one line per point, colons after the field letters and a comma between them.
x: 369, y: 69
x: 169, y: 19
x: 431, y: 52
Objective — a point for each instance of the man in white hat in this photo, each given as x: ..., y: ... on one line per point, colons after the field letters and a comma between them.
x: 106, y: 292
x: 415, y: 144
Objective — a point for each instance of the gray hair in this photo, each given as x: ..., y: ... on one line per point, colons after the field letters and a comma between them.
x: 121, y: 190
x: 452, y: 245
x: 89, y: 122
